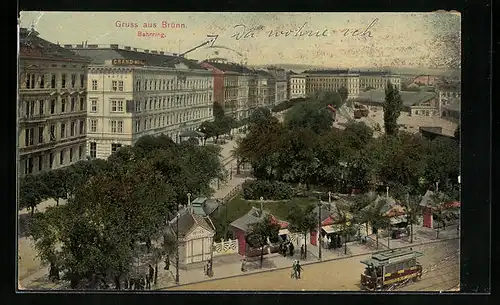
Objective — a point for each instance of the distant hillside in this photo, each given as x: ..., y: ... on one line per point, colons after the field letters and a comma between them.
x: 411, y: 71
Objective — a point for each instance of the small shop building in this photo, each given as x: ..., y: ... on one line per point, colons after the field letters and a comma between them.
x: 450, y: 211
x: 196, y: 237
x: 241, y: 226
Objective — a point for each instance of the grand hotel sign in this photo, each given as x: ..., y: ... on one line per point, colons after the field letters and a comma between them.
x: 127, y: 62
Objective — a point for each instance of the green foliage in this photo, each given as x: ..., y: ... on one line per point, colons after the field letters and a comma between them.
x: 275, y: 190
x: 443, y: 162
x: 302, y: 220
x: 309, y: 115
x: 392, y: 109
x: 344, y: 93
x: 218, y: 110
x: 287, y: 104
x: 32, y: 191
x: 259, y: 232
x: 357, y: 135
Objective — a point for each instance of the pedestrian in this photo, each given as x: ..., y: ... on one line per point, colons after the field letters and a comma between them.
x: 299, y: 269
x: 151, y: 274
x: 302, y: 252
x: 285, y: 249
x: 291, y: 248
x: 243, y: 261
x: 167, y: 263
x: 294, y: 270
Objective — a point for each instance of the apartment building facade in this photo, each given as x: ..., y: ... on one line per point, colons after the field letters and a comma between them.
x: 238, y: 91
x: 354, y: 81
x: 134, y: 92
x: 281, y: 84
x: 296, y: 85
x: 52, y: 105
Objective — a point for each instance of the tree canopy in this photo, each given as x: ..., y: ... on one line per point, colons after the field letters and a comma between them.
x: 393, y: 105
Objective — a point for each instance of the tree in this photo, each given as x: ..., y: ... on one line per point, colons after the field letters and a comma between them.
x: 312, y: 116
x: 344, y: 93
x: 373, y: 214
x: 357, y: 135
x: 208, y: 129
x: 261, y: 115
x: 410, y: 199
x: 302, y: 221
x: 393, y: 105
x: 218, y: 110
x: 442, y: 162
x: 457, y: 133
x: 260, y: 232
x: 32, y: 191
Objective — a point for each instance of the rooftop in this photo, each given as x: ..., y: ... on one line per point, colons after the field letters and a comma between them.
x: 99, y: 54
x: 391, y: 256
x: 186, y: 221
x: 410, y: 98
x: 31, y: 44
x: 230, y: 67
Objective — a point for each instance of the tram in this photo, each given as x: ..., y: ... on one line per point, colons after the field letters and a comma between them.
x: 388, y: 269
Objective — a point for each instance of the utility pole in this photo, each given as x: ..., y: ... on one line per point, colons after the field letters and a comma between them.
x: 319, y: 229
x: 177, y: 244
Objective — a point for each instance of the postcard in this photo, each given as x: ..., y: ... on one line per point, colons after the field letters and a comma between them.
x: 239, y: 151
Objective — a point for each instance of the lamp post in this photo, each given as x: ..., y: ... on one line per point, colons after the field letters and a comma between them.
x: 177, y: 243
x: 319, y: 228
x: 437, y: 187
x: 189, y: 202
x: 387, y: 192
x: 329, y: 197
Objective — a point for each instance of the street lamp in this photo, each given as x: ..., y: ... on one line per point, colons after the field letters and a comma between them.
x: 329, y: 197
x: 387, y: 192
x: 320, y: 204
x: 177, y: 243
x: 189, y: 201
x: 458, y: 178
x: 437, y: 187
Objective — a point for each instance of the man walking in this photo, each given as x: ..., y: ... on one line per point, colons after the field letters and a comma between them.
x: 298, y: 267
x: 167, y: 263
x: 294, y: 270
x: 243, y: 261
x: 302, y: 253
x: 151, y: 275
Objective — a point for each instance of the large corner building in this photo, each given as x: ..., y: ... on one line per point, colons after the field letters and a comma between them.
x: 134, y: 92
x: 52, y: 108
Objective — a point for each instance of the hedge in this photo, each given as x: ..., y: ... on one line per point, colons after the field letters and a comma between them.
x: 253, y: 190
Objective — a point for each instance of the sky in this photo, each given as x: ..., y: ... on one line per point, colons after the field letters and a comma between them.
x: 335, y: 40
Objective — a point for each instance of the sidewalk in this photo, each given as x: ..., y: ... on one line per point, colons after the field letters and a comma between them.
x: 276, y: 262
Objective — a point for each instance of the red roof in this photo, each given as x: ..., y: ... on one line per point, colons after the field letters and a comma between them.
x: 281, y: 223
x: 451, y: 204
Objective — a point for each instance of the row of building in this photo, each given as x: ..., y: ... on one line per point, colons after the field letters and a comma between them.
x: 79, y: 101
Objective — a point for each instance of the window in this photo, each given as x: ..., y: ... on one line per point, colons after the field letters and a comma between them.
x: 82, y: 80
x: 63, y: 105
x: 41, y: 105
x: 82, y: 128
x: 93, y: 125
x: 137, y: 126
x: 81, y: 149
x: 114, y: 85
x: 94, y: 84
x: 82, y: 104
x: 120, y: 85
x: 93, y: 106
x: 40, y: 163
x: 53, y: 106
x: 42, y: 81
x: 71, y: 154
x: 72, y: 129
x: 63, y: 130
x: 61, y: 157
x: 28, y: 166
x: 116, y: 126
x: 63, y: 81
x: 93, y: 149
x: 114, y: 147
x: 53, y: 81
x: 28, y: 140
x: 51, y: 160
x: 73, y: 80
x: 116, y: 106
x: 40, y: 134
x: 52, y: 133
x: 30, y: 81
x: 73, y: 104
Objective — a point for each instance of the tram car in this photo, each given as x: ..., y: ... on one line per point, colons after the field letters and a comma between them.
x: 388, y: 269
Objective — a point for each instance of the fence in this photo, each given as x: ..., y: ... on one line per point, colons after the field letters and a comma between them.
x: 226, y: 247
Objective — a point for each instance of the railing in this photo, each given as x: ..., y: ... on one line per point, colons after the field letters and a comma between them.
x: 226, y: 247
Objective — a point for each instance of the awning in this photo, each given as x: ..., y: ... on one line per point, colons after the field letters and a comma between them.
x: 397, y: 219
x: 284, y: 232
x: 331, y: 228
